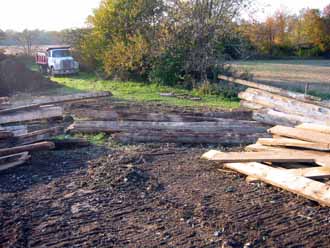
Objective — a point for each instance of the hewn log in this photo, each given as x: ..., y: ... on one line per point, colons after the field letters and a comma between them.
x: 272, y: 89
x: 28, y: 148
x: 250, y: 105
x: 120, y: 126
x: 16, y: 130
x: 6, y: 134
x: 229, y: 139
x: 30, y: 115
x: 50, y: 100
x: 70, y: 143
x: 273, y: 117
x: 286, y: 105
x: 138, y: 116
x: 40, y: 135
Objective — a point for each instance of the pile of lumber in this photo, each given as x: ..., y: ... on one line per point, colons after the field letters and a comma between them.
x: 22, y: 126
x: 276, y: 106
x: 129, y: 127
x: 296, y: 159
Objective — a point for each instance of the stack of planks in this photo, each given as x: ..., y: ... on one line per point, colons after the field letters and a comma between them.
x: 20, y: 126
x: 296, y: 159
x: 129, y: 127
x: 276, y: 106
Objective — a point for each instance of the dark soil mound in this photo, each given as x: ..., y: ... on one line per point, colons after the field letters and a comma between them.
x: 16, y: 77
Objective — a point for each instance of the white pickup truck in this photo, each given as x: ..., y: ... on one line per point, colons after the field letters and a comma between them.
x: 57, y: 61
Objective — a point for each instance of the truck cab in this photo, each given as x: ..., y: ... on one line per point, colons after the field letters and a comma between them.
x: 57, y: 61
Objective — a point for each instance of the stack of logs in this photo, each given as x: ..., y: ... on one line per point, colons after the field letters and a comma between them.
x: 25, y: 128
x: 127, y: 126
x: 276, y: 106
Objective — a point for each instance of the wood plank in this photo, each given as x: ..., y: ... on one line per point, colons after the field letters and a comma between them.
x: 17, y: 129
x: 313, y: 172
x: 299, y: 185
x: 50, y: 100
x: 27, y: 148
x: 30, y: 115
x: 306, y: 135
x: 272, y: 89
x: 19, y: 159
x: 315, y: 127
x: 287, y: 142
x: 241, y: 157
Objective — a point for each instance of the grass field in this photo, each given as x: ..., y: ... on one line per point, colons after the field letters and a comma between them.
x: 291, y: 74
x: 142, y: 92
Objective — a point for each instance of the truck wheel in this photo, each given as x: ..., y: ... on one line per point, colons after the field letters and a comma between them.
x: 51, y: 72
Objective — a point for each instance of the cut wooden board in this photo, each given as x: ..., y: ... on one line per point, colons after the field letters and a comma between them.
x: 30, y: 115
x: 306, y: 135
x: 272, y: 89
x: 6, y: 134
x: 37, y: 136
x: 300, y: 185
x: 287, y: 142
x: 275, y: 155
x: 238, y: 157
x: 315, y: 127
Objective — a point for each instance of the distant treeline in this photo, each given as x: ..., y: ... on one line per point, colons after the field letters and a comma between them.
x: 38, y: 37
x: 306, y: 34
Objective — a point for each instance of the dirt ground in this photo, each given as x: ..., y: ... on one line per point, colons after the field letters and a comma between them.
x: 148, y: 196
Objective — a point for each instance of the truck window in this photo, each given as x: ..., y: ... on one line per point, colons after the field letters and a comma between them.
x: 61, y: 53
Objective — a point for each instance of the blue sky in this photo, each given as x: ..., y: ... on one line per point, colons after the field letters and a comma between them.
x: 44, y: 14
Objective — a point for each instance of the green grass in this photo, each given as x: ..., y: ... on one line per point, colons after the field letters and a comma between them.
x: 141, y: 92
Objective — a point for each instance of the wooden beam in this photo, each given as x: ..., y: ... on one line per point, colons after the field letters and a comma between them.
x: 238, y: 157
x: 274, y: 117
x: 27, y: 148
x: 50, y: 100
x: 272, y: 89
x: 30, y: 115
x: 306, y: 135
x: 224, y: 138
x: 225, y: 125
x: 19, y: 159
x: 287, y: 142
x: 286, y: 105
x: 37, y: 136
x: 300, y: 185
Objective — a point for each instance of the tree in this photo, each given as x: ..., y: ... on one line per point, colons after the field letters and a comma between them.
x: 26, y: 39
x: 199, y: 28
